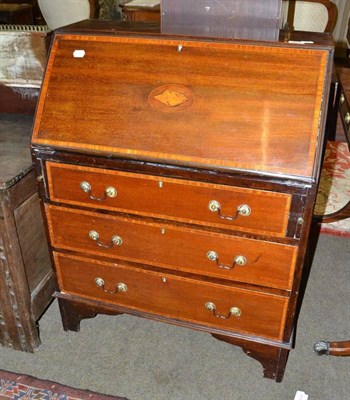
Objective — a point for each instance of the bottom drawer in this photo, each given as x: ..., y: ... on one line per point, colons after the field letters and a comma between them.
x: 236, y: 310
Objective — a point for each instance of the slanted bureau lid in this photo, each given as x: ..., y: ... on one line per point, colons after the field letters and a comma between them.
x: 225, y: 105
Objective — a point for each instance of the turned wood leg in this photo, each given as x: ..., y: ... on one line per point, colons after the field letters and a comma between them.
x: 273, y: 359
x: 333, y: 348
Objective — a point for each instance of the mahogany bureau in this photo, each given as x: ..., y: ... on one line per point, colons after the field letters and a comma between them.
x: 178, y: 178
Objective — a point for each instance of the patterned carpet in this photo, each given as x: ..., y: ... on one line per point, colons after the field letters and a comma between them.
x: 334, y: 189
x: 24, y: 387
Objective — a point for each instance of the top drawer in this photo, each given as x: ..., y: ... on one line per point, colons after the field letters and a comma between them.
x: 220, y: 206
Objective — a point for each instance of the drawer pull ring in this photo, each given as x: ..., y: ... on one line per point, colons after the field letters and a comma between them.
x: 115, y: 240
x: 121, y: 287
x: 110, y: 191
x: 235, y: 311
x: 238, y: 260
x: 244, y: 210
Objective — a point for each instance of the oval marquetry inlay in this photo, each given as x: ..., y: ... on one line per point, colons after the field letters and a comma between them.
x: 171, y: 98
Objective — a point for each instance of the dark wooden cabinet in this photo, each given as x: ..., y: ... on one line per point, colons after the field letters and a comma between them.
x: 179, y: 183
x: 26, y: 279
x: 20, y: 86
x: 29, y: 11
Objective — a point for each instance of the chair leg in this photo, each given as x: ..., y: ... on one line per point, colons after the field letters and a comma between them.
x: 341, y: 349
x: 343, y: 213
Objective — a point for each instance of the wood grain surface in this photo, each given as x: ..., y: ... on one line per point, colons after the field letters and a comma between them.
x: 177, y: 248
x: 174, y: 199
x: 255, y: 107
x: 177, y: 297
x: 15, y: 157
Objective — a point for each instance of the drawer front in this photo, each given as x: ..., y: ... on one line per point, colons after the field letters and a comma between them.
x: 188, y: 201
x: 213, y: 254
x: 174, y: 297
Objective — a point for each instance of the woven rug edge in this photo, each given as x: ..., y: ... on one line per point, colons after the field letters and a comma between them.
x: 53, y: 387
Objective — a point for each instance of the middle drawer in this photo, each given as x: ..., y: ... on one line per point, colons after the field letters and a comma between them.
x: 170, y: 246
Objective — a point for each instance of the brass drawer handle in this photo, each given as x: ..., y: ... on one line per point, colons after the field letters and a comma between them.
x: 238, y: 260
x: 347, y: 118
x: 342, y: 99
x: 235, y: 311
x: 121, y: 287
x: 244, y: 210
x: 115, y: 240
x: 110, y: 191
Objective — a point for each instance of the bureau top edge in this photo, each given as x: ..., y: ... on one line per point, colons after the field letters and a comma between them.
x: 288, y: 38
x: 166, y: 168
